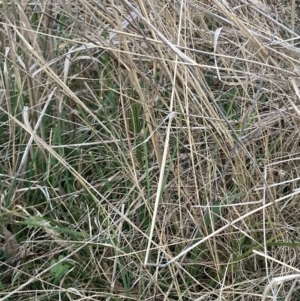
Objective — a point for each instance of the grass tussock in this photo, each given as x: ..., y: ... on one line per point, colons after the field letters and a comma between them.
x: 149, y: 150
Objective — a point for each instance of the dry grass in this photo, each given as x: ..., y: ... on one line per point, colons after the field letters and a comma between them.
x: 150, y: 150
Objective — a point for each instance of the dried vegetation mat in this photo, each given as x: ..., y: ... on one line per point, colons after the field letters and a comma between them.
x: 149, y: 150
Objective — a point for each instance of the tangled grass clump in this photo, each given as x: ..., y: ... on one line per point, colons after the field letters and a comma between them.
x: 149, y: 150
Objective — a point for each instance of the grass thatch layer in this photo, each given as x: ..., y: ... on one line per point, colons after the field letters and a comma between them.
x: 149, y: 150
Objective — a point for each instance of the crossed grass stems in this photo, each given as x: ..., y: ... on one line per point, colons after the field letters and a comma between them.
x: 91, y: 111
